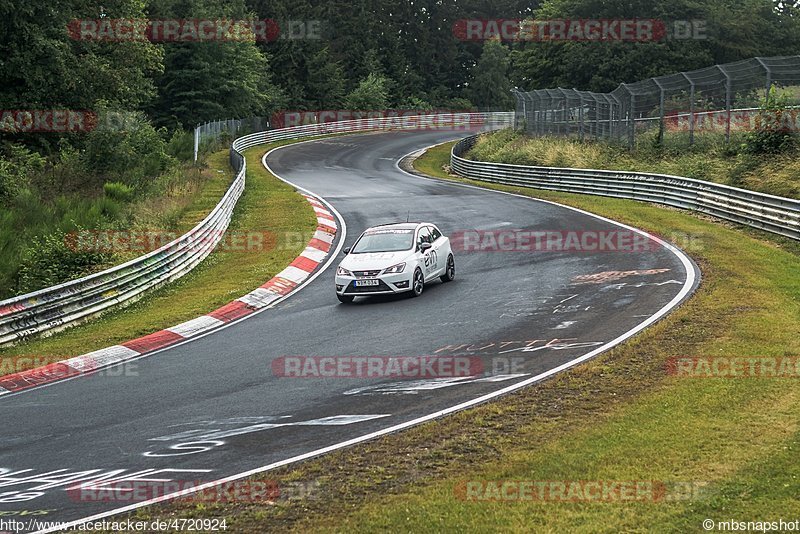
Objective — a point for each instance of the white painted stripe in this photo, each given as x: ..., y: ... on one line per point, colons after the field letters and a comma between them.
x: 195, y: 326
x: 314, y: 254
x: 324, y: 236
x: 326, y: 222
x: 101, y: 358
x: 3, y: 391
x: 260, y: 297
x: 294, y: 274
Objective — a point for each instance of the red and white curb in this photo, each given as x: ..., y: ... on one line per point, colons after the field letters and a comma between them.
x: 279, y: 286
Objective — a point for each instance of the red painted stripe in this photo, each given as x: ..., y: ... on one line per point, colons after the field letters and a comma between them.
x: 326, y: 228
x: 36, y: 377
x: 306, y: 264
x: 232, y: 311
x: 319, y: 244
x: 153, y: 341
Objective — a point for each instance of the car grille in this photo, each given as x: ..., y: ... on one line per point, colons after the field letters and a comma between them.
x: 350, y: 290
x: 360, y: 274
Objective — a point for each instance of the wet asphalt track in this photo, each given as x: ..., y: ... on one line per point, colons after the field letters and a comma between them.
x: 213, y: 407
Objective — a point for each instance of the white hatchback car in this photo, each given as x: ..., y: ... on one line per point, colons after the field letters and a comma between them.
x: 394, y: 258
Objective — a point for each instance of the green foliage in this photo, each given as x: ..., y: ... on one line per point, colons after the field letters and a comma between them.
x: 325, y: 81
x: 490, y: 87
x: 181, y: 145
x: 127, y: 148
x: 118, y: 191
x: 731, y: 31
x: 774, y: 132
x: 50, y: 260
x: 17, y: 165
x: 370, y: 94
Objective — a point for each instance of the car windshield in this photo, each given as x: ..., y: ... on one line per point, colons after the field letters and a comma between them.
x: 384, y: 241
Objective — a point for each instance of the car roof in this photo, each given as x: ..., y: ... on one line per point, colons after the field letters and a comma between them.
x: 400, y: 225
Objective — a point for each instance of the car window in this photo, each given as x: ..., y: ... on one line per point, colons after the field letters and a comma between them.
x: 435, y: 233
x: 384, y: 240
x: 424, y: 236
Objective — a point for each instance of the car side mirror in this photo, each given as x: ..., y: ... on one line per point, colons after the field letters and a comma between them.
x: 424, y: 246
x: 346, y: 250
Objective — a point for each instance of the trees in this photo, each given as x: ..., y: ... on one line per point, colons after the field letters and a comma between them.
x: 490, y: 87
x: 371, y: 94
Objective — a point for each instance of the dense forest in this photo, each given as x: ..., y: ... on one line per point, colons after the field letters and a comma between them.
x: 331, y: 54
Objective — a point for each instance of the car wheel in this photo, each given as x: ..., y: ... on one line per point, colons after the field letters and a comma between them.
x: 450, y: 270
x: 418, y: 284
x: 346, y: 299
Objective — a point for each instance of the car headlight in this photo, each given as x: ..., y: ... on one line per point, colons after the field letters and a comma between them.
x: 395, y: 268
x: 343, y: 272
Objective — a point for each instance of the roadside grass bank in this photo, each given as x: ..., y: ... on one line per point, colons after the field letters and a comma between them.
x: 710, y: 159
x: 267, y: 207
x: 724, y: 448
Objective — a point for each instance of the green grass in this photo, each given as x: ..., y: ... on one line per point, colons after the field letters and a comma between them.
x: 618, y: 417
x: 267, y: 204
x: 710, y: 159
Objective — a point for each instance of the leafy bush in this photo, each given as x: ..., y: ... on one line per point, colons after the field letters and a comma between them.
x: 181, y: 145
x: 118, y: 191
x: 17, y: 166
x: 127, y: 148
x: 774, y: 133
x: 49, y: 261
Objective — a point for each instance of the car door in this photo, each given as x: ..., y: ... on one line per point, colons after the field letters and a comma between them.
x: 428, y: 261
x: 438, y: 242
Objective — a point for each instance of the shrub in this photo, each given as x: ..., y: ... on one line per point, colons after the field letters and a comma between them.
x: 118, y: 191
x: 48, y: 260
x: 771, y: 135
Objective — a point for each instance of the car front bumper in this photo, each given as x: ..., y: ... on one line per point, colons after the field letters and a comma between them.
x: 388, y: 284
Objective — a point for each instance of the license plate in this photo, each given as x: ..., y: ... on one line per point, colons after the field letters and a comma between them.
x: 361, y: 283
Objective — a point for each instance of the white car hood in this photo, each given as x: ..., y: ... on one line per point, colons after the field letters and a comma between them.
x: 374, y: 260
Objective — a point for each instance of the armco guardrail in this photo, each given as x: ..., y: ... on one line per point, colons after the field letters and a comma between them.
x: 54, y: 308
x: 770, y: 213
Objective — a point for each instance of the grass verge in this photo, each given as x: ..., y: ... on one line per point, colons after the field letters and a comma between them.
x: 267, y: 205
x: 711, y: 159
x: 619, y: 417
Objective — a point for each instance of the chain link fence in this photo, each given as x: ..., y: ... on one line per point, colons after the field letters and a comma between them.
x: 721, y: 99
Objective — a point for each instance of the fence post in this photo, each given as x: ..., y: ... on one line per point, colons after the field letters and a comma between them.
x: 691, y: 107
x: 727, y: 103
x: 661, y: 112
x: 196, y: 141
x: 631, y: 123
x: 768, y: 75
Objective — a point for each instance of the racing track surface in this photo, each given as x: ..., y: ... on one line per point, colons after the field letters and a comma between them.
x: 220, y: 390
